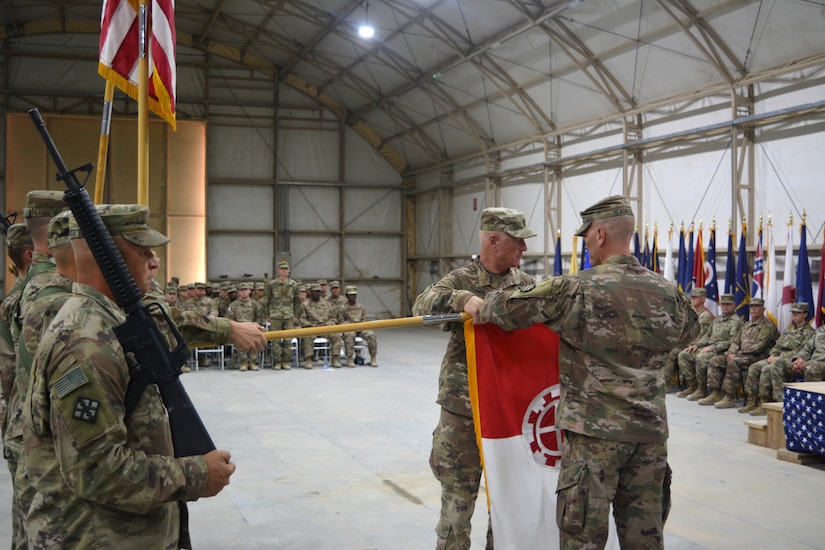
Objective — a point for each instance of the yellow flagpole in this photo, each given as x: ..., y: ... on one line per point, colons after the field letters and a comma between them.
x: 103, y: 149
x: 357, y: 327
x: 143, y: 107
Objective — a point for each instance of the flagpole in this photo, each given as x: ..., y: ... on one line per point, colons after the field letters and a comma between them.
x: 357, y: 327
x: 143, y: 106
x: 103, y: 148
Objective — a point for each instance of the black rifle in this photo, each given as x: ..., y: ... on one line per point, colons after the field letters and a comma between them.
x: 8, y: 221
x: 139, y: 334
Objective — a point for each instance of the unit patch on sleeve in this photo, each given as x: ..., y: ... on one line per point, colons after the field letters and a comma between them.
x: 86, y: 409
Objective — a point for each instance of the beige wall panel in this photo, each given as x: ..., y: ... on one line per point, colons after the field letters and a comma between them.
x: 186, y: 254
x: 121, y: 180
x: 187, y: 170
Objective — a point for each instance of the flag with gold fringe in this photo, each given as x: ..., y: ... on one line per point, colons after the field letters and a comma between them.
x: 120, y: 50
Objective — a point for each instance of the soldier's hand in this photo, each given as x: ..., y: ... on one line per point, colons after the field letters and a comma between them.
x: 219, y: 467
x: 473, y: 307
x: 247, y: 337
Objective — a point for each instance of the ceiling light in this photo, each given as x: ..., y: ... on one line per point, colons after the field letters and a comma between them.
x: 366, y: 30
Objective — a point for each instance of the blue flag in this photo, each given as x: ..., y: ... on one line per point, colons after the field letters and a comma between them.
x: 557, y: 257
x: 637, y: 249
x: 687, y: 282
x: 711, y: 284
x: 742, y: 290
x: 730, y: 272
x: 804, y: 292
x: 585, y: 259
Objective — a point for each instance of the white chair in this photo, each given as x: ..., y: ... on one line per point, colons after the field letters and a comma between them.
x: 208, y: 352
x: 321, y: 348
x: 360, y: 348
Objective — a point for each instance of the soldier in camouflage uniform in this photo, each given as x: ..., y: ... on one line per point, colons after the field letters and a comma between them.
x: 260, y: 294
x: 336, y: 300
x: 808, y: 363
x: 40, y: 207
x: 74, y: 421
x: 318, y: 313
x: 616, y: 322
x: 753, y: 343
x: 245, y: 309
x: 20, y: 250
x: 200, y: 303
x: 455, y: 459
x: 792, y: 340
x: 284, y: 308
x: 694, y: 364
x: 697, y: 300
x: 357, y: 313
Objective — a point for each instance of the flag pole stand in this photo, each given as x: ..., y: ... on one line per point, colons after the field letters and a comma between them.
x: 103, y: 149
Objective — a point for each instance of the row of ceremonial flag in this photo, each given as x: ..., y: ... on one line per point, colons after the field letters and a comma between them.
x: 694, y: 268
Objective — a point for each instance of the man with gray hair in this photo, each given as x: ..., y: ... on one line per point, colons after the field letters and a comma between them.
x: 616, y: 323
x: 455, y: 458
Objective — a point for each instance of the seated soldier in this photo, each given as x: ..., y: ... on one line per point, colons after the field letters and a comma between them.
x: 317, y: 312
x: 791, y: 341
x: 697, y: 300
x: 357, y: 313
x: 750, y: 345
x: 694, y: 363
x: 808, y: 364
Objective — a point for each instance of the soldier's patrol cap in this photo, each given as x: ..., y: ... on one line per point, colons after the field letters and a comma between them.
x: 58, y: 232
x: 352, y: 289
x: 232, y: 288
x: 507, y: 220
x: 130, y: 221
x: 609, y: 207
x: 171, y: 290
x: 726, y: 299
x: 698, y: 293
x: 283, y: 263
x: 757, y: 302
x: 198, y: 284
x: 44, y: 204
x: 246, y: 286
x: 800, y: 307
x: 335, y: 284
x: 215, y: 287
x: 315, y: 286
x: 18, y: 235
x: 322, y: 282
x: 260, y: 285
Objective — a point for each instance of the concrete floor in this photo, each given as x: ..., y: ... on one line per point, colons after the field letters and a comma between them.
x: 337, y: 459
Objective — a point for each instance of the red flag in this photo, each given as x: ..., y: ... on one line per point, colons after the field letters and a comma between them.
x: 119, y: 50
x: 699, y: 263
x: 514, y: 388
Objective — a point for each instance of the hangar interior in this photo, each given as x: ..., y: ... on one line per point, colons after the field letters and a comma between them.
x: 369, y: 160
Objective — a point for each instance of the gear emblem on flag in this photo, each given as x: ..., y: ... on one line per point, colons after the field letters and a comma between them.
x: 539, y: 432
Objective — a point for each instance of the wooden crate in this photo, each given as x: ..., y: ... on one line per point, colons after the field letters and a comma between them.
x: 776, y: 429
x: 758, y: 432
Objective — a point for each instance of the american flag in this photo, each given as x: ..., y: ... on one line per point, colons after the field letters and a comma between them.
x: 804, y: 419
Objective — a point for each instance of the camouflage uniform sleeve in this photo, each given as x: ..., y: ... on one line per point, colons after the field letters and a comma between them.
x: 86, y: 389
x: 542, y: 303
x: 445, y: 296
x: 196, y: 327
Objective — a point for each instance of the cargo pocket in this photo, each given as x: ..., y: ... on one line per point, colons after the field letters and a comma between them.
x: 666, y: 493
x: 571, y: 498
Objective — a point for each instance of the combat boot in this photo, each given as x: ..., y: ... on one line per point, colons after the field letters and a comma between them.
x: 253, y: 365
x: 244, y: 365
x: 286, y: 366
x: 185, y: 369
x: 335, y: 363
x: 752, y: 404
x: 351, y: 362
x: 308, y: 364
x: 373, y: 361
x: 692, y: 387
x: 759, y: 411
x: 712, y: 399
x: 698, y: 394
x: 726, y: 402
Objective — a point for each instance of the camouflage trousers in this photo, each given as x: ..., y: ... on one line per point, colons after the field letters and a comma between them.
x: 594, y: 473
x: 369, y: 338
x: 456, y: 464
x: 670, y: 366
x: 12, y: 452
x: 725, y: 374
x: 281, y: 349
x: 756, y: 382
x: 694, y: 366
x: 781, y: 371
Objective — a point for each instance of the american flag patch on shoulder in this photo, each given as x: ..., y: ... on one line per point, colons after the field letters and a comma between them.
x: 70, y: 382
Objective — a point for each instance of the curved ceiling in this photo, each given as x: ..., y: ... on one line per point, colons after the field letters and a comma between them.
x: 445, y: 79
